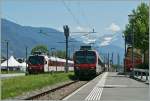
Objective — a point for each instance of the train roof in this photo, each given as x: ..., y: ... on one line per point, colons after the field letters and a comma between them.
x: 46, y: 56
x: 59, y: 59
x: 52, y: 58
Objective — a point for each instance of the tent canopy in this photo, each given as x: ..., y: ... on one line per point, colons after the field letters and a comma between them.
x: 11, y: 62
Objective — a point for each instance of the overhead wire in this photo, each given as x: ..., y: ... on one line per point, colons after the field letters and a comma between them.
x: 85, y: 18
x: 84, y: 15
x: 69, y: 10
x: 77, y: 21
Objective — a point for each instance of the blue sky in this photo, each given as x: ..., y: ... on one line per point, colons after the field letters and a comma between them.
x: 106, y: 16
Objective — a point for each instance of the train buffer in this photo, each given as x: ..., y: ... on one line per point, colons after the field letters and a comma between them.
x: 111, y: 86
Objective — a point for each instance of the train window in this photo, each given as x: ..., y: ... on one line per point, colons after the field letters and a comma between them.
x: 99, y: 62
x: 85, y: 57
x: 36, y: 60
x: 91, y: 53
x: 80, y: 53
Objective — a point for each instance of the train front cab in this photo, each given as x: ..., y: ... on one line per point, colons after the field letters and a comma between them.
x: 37, y: 64
x: 86, y: 70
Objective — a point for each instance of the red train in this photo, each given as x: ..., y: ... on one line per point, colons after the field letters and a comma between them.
x: 128, y: 59
x: 42, y: 63
x: 129, y: 65
x: 87, y: 63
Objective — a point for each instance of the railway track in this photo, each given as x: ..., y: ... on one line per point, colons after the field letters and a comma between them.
x: 54, y: 94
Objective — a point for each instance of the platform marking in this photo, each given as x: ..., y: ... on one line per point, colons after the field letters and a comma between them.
x: 97, y: 91
x: 66, y: 98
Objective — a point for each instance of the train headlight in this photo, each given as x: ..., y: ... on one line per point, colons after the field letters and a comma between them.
x: 29, y: 67
x: 77, y: 67
x: 92, y: 67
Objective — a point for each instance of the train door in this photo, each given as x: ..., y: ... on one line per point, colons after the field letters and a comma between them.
x: 46, y: 67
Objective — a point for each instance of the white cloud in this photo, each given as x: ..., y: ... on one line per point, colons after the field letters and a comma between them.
x: 99, y: 39
x: 60, y: 29
x: 87, y: 39
x: 106, y: 41
x: 90, y: 41
x: 84, y: 37
x: 79, y: 28
x: 113, y: 27
x: 108, y: 38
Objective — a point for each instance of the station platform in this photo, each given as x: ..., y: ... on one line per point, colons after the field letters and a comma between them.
x: 110, y: 86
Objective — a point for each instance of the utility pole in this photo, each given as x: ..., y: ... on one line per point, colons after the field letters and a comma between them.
x: 105, y: 61
x: 56, y: 59
x: 73, y: 48
x: 53, y: 53
x: 66, y: 33
x: 69, y: 53
x: 118, y: 58
x: 124, y: 53
x: 108, y: 61
x: 112, y: 62
x: 26, y: 57
x: 112, y: 57
x: 7, y: 55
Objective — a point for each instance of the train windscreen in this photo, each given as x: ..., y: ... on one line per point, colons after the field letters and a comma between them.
x: 36, y: 60
x: 85, y: 57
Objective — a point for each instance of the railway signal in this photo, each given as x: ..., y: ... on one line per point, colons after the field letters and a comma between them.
x: 66, y: 33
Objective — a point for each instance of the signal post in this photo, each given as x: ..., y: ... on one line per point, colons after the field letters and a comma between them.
x: 66, y: 33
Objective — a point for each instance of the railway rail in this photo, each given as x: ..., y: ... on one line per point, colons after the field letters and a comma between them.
x: 45, y: 95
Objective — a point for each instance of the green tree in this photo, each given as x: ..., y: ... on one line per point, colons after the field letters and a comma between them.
x: 139, y: 26
x: 59, y: 53
x: 39, y: 48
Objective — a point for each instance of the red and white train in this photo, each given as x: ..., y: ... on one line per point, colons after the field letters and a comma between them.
x: 87, y: 62
x: 43, y: 63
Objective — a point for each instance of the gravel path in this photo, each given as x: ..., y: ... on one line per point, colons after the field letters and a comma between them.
x: 63, y: 92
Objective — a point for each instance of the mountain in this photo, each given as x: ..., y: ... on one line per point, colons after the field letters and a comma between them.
x: 115, y: 50
x: 21, y: 36
x: 115, y: 46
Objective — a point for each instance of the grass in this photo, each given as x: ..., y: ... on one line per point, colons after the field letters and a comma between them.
x: 16, y: 86
x: 10, y: 72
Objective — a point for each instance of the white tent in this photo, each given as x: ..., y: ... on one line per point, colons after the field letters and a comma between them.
x: 23, y: 66
x: 11, y: 63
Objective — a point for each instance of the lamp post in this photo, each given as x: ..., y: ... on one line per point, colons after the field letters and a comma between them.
x: 66, y: 33
x: 132, y: 17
